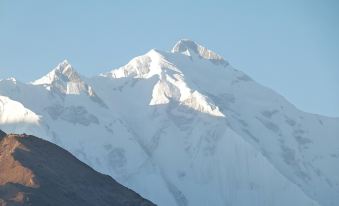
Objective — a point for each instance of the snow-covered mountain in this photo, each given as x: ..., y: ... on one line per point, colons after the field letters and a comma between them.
x: 183, y: 128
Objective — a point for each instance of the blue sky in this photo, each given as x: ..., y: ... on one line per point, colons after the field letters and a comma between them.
x: 291, y: 46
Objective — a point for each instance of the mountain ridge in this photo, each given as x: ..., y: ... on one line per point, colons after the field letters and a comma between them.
x: 207, y: 112
x: 34, y: 173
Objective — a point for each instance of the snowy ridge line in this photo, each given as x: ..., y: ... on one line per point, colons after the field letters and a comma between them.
x: 183, y: 128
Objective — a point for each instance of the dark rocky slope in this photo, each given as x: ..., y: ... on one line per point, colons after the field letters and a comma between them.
x: 36, y: 172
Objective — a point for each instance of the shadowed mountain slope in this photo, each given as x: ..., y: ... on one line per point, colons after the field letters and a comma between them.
x: 36, y: 172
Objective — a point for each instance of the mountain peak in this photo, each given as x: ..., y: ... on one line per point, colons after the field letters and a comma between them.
x: 189, y: 47
x: 65, y: 79
x: 62, y: 72
x: 11, y: 79
x: 184, y: 44
x: 65, y: 61
x: 64, y: 66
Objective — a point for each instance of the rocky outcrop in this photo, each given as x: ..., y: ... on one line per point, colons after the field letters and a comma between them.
x: 36, y: 172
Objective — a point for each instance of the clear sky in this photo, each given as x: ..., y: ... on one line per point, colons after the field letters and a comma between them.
x: 291, y: 46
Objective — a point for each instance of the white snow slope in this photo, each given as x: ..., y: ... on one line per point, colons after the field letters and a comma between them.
x: 183, y: 128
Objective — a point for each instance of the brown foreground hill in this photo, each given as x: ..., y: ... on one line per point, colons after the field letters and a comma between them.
x: 36, y: 172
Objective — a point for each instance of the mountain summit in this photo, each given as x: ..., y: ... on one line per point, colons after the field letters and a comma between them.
x: 65, y: 79
x: 189, y: 47
x: 201, y: 131
x: 62, y: 72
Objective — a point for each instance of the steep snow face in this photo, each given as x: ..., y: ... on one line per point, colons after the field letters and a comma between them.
x: 16, y: 117
x: 187, y: 79
x: 65, y: 80
x: 170, y: 83
x: 63, y: 73
x: 14, y: 112
x: 189, y: 48
x: 200, y: 131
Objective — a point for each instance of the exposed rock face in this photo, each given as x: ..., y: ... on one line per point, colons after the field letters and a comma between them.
x: 36, y: 172
x: 2, y: 134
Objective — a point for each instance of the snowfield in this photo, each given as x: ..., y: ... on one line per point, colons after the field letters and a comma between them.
x: 183, y: 128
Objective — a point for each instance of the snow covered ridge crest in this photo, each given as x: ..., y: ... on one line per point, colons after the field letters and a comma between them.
x: 13, y: 112
x: 171, y: 82
x: 189, y: 47
x: 201, y: 132
x: 65, y: 79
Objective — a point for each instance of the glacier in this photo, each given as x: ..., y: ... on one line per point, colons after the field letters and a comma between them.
x: 182, y: 127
